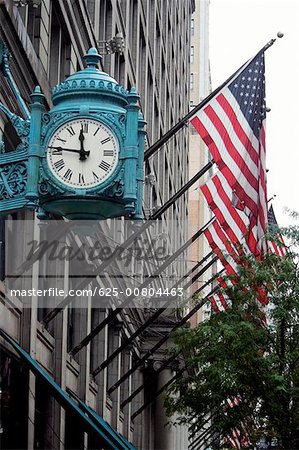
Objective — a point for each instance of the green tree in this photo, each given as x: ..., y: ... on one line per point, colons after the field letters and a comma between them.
x: 235, y: 355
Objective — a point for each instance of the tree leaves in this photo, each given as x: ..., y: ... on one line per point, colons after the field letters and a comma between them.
x: 234, y: 355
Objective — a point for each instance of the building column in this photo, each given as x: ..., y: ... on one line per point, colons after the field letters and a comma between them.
x: 141, y: 425
x: 165, y: 438
x: 98, y: 355
x: 29, y: 324
x: 60, y: 332
x: 114, y: 374
x: 126, y: 391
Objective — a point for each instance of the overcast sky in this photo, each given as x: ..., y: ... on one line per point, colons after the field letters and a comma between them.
x: 238, y: 29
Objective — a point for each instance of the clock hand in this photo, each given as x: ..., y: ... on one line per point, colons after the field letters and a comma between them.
x: 82, y: 152
x: 60, y: 149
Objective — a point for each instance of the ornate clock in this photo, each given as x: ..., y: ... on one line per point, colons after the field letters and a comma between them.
x: 83, y: 159
x: 92, y: 148
x: 83, y: 153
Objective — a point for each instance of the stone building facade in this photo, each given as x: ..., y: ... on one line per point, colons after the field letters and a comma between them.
x: 46, y: 44
x: 200, y: 88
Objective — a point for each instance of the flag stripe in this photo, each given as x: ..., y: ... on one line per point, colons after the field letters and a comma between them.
x: 240, y: 125
x: 219, y: 243
x: 235, y: 154
x: 219, y: 197
x: 216, y: 303
x: 225, y: 163
x: 253, y: 148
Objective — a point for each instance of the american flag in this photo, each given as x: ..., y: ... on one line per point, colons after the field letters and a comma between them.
x: 277, y: 246
x: 232, y: 125
x: 220, y: 302
x: 272, y: 222
x: 220, y: 244
x: 234, y: 222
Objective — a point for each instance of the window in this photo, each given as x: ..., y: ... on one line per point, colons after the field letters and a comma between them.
x: 191, y: 81
x: 2, y: 248
x: 60, y: 52
x: 105, y: 28
x: 37, y: 21
x: 43, y: 405
x: 133, y: 28
x: 192, y: 27
x: 192, y: 54
x: 13, y: 402
x: 119, y: 69
x: 33, y: 26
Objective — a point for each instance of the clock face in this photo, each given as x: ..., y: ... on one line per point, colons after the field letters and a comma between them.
x: 83, y: 153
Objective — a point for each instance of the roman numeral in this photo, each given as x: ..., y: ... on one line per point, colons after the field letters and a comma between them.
x: 95, y: 177
x: 104, y: 165
x: 84, y: 127
x: 108, y: 152
x: 60, y: 139
x: 81, y: 178
x: 71, y: 131
x: 59, y: 164
x: 104, y: 141
x: 96, y: 131
x: 68, y: 174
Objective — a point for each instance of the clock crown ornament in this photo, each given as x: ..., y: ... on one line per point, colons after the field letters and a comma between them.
x: 93, y: 84
x: 82, y: 159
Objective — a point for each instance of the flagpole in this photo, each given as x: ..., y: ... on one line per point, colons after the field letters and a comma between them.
x: 153, y: 148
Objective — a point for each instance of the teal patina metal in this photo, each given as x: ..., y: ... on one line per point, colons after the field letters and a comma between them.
x: 88, y: 98
x: 13, y: 165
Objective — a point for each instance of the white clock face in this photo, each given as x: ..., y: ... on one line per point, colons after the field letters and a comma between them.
x: 83, y: 153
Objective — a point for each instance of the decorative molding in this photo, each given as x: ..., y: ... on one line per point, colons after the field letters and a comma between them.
x: 116, y: 189
x: 13, y: 179
x: 53, y: 120
x: 13, y: 204
x: 101, y: 86
x: 11, y: 157
x: 47, y: 189
x: 21, y: 126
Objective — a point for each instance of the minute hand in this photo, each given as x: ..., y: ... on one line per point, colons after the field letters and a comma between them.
x: 82, y: 152
x: 60, y: 149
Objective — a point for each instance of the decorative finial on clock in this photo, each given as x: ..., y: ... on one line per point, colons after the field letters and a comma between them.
x: 92, y: 58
